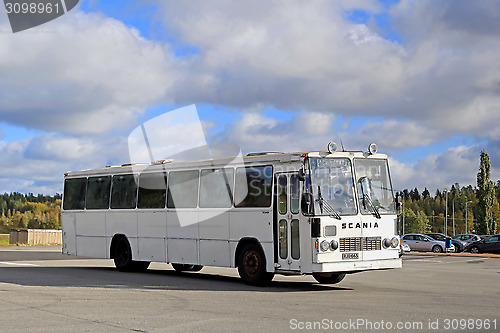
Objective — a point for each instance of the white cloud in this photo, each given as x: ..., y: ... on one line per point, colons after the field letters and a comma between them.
x: 298, y: 55
x: 456, y: 165
x: 57, y: 147
x: 82, y: 73
x: 291, y: 54
x: 38, y: 164
x: 392, y: 134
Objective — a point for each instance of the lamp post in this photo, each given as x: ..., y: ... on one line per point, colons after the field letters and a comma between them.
x: 446, y: 214
x: 453, y: 216
x: 403, y: 214
x: 401, y: 200
x: 466, y: 220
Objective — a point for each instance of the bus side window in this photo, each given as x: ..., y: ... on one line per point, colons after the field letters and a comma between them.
x: 98, y: 192
x: 183, y: 189
x: 152, y: 190
x: 124, y: 192
x: 253, y: 186
x: 216, y: 188
x: 74, y: 193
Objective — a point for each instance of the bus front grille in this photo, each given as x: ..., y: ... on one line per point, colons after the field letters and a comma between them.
x: 360, y: 244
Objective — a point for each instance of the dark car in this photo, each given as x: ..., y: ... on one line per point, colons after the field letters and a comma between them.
x: 458, y: 245
x: 489, y: 244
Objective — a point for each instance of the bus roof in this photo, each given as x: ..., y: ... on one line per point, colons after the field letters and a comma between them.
x: 254, y: 158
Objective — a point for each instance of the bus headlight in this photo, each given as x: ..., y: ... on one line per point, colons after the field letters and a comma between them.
x: 387, y: 243
x: 334, y: 245
x: 324, y: 245
x: 395, y: 242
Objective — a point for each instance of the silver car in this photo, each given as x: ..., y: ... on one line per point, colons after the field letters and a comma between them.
x: 419, y: 242
x: 466, y: 239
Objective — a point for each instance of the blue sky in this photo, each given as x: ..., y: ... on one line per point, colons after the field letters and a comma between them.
x: 414, y: 77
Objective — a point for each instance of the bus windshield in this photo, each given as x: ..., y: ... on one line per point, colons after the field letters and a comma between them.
x: 332, y: 186
x: 374, y: 187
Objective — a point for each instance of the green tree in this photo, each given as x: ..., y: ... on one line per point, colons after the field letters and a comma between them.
x: 416, y: 222
x: 485, y: 194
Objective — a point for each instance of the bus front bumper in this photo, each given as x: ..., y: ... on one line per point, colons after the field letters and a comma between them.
x: 356, y: 266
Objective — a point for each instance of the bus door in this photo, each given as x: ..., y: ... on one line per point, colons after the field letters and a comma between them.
x: 287, y: 225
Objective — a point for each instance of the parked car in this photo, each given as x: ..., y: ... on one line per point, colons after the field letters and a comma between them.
x: 458, y: 246
x: 405, y: 248
x: 489, y: 244
x: 467, y: 238
x: 420, y: 242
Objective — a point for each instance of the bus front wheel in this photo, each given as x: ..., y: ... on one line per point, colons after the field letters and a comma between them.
x: 328, y: 278
x: 252, y: 265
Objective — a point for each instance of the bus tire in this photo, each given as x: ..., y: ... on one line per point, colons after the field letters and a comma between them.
x: 328, y: 278
x: 187, y: 268
x: 252, y: 265
x: 123, y: 255
x: 196, y: 268
x: 140, y: 266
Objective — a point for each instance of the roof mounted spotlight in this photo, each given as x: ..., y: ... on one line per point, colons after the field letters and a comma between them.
x: 332, y: 147
x: 372, y: 148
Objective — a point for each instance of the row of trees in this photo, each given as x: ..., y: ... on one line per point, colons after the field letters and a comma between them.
x: 469, y: 209
x: 29, y: 211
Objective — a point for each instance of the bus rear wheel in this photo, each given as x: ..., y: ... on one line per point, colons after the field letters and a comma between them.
x: 328, y: 278
x: 187, y: 267
x: 252, y: 265
x: 123, y: 258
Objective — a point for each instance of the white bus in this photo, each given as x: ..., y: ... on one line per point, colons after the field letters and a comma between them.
x: 325, y: 213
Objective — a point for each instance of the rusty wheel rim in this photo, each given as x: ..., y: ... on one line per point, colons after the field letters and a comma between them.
x: 251, y: 262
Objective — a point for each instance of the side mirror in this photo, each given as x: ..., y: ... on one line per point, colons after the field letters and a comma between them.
x: 306, y: 203
x: 302, y: 174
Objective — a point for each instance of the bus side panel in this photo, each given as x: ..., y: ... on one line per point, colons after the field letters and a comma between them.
x: 91, y: 246
x: 152, y: 224
x: 183, y: 251
x: 255, y: 223
x: 214, y: 253
x: 91, y: 223
x: 214, y: 225
x: 152, y: 233
x: 68, y: 223
x: 182, y: 224
x: 90, y: 230
x: 214, y: 235
x: 152, y: 249
x: 121, y: 223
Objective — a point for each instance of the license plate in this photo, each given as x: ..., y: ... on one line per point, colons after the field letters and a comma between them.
x: 347, y: 256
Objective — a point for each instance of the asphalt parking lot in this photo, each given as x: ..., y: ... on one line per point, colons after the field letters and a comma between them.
x: 42, y: 290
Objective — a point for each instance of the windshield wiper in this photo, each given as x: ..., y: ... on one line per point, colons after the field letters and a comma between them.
x: 325, y: 206
x: 367, y: 199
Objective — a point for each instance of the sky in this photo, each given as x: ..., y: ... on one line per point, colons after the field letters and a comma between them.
x: 419, y: 78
